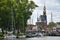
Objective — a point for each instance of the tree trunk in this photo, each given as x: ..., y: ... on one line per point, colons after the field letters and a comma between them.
x: 17, y: 33
x: 2, y: 31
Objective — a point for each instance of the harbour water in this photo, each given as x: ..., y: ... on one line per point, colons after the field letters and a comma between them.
x: 38, y: 38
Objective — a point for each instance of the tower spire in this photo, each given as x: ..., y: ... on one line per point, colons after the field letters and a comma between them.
x: 44, y: 10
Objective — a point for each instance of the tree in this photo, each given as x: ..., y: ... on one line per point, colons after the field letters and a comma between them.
x: 5, y: 14
x: 58, y: 23
x: 18, y: 10
x: 51, y: 25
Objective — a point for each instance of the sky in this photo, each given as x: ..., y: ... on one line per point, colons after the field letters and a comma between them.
x: 52, y: 6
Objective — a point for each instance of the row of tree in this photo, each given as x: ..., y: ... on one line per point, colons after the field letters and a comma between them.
x: 15, y: 13
x: 53, y: 24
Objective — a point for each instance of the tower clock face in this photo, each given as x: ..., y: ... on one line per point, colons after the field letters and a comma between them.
x: 44, y: 11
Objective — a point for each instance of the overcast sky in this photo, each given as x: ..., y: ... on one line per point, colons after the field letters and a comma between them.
x: 52, y: 6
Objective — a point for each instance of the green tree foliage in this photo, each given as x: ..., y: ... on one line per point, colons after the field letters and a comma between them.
x: 58, y: 23
x: 5, y: 14
x: 51, y: 25
x: 20, y: 10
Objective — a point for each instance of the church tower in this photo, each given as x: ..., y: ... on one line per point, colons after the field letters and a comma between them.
x: 44, y: 18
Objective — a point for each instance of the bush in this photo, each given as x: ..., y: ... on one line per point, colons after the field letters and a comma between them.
x: 1, y: 35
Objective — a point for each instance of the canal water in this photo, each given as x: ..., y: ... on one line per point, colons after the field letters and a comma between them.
x: 38, y: 38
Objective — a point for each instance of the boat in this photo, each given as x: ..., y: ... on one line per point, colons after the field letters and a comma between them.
x: 9, y: 36
x: 23, y: 36
x: 29, y: 35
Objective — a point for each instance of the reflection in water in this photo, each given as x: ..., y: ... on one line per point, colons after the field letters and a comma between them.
x: 38, y: 38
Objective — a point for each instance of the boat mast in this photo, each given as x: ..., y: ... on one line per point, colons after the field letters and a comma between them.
x: 51, y: 17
